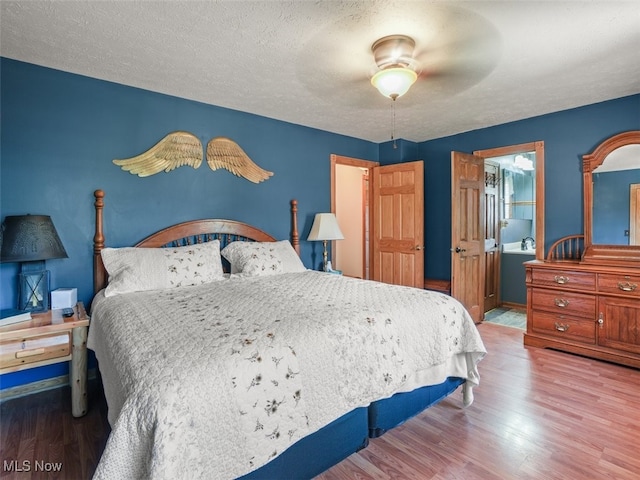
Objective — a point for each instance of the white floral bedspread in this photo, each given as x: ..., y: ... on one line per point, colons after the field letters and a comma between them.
x: 213, y: 381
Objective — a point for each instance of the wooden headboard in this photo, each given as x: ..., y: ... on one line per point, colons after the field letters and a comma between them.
x: 186, y: 233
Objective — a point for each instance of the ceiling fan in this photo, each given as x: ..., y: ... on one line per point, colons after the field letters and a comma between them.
x: 398, y: 66
x: 442, y: 49
x: 397, y: 69
x: 446, y: 65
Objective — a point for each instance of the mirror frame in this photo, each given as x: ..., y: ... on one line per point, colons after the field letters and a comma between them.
x: 622, y: 255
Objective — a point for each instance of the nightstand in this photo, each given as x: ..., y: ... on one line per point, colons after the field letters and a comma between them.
x: 46, y: 339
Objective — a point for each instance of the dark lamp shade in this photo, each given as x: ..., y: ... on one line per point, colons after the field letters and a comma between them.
x: 29, y: 238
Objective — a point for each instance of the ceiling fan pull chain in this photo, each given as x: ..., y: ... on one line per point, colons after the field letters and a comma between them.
x: 393, y: 128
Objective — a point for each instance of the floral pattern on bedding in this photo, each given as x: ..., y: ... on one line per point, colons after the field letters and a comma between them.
x: 262, y: 258
x: 268, y: 391
x: 213, y: 381
x: 134, y: 269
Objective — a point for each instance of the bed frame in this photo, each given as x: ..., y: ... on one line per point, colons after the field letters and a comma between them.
x: 350, y: 433
x: 320, y: 451
x: 186, y: 233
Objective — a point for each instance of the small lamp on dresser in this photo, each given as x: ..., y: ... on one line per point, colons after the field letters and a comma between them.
x: 30, y: 240
x: 325, y: 227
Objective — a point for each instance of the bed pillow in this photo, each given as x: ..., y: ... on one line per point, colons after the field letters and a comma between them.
x: 133, y: 269
x: 262, y: 258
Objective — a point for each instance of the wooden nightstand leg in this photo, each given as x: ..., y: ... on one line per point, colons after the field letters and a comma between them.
x: 78, y: 372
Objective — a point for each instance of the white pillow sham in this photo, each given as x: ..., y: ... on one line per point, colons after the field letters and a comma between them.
x: 133, y: 269
x: 262, y: 258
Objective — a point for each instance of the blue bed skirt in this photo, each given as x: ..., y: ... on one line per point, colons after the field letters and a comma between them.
x: 312, y: 455
x: 391, y: 412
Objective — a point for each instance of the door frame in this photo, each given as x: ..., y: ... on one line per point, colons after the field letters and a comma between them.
x: 352, y: 162
x: 538, y: 147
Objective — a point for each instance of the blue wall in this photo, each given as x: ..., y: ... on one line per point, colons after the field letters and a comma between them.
x: 567, y: 135
x: 61, y: 131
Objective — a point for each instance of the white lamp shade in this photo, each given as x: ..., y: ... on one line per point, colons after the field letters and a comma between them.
x: 325, y: 227
x: 394, y: 82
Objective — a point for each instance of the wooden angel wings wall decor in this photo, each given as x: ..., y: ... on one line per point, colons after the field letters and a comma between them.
x: 183, y: 148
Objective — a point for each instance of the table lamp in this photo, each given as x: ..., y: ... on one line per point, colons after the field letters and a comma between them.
x: 325, y: 227
x: 30, y: 240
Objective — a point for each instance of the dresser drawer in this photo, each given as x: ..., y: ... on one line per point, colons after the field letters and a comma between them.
x: 622, y: 284
x: 565, y: 303
x: 566, y: 278
x: 570, y: 328
x: 34, y: 349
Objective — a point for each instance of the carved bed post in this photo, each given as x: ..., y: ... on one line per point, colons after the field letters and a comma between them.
x: 99, y: 273
x: 295, y: 238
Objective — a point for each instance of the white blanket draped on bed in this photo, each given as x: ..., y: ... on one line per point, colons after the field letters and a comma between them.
x: 213, y: 381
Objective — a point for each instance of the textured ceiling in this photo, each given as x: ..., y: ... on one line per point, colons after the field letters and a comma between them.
x: 309, y: 63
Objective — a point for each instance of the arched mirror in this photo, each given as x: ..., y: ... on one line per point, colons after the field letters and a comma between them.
x: 612, y: 201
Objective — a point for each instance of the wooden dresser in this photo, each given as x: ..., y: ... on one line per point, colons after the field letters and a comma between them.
x: 585, y: 297
x: 590, y: 310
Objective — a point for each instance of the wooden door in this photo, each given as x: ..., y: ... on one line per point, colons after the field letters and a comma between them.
x: 491, y: 235
x: 467, y: 232
x: 397, y: 218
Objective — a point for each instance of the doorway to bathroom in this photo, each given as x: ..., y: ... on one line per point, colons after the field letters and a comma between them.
x: 513, y: 221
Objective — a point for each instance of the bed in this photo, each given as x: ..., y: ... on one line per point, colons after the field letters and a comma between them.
x: 268, y: 371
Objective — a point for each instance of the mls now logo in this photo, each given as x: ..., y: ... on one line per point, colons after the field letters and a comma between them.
x: 28, y: 466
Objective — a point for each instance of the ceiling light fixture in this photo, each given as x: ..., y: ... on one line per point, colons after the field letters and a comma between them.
x: 394, y: 57
x: 523, y: 163
x: 394, y: 82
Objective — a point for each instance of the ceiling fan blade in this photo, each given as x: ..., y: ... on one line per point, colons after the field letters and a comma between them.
x: 455, y: 48
x: 456, y: 64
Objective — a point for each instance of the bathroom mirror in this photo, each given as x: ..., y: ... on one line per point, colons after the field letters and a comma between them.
x: 612, y: 201
x: 518, y: 194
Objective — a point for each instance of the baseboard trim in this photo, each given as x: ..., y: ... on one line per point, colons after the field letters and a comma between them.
x: 39, y: 386
x: 443, y: 286
x: 519, y: 306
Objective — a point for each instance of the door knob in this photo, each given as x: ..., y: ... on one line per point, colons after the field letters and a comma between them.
x: 458, y: 250
x: 418, y: 247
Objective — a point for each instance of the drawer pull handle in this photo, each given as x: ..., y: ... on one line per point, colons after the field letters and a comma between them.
x: 561, y: 302
x: 627, y: 286
x: 29, y: 353
x: 561, y: 327
x: 561, y: 279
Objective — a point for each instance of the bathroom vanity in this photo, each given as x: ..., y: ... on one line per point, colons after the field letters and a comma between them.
x: 513, y: 291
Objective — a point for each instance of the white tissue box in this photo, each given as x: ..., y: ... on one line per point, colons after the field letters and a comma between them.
x: 64, y: 298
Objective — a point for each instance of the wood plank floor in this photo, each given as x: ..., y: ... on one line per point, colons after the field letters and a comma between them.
x: 538, y: 414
